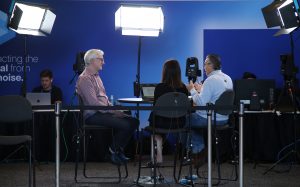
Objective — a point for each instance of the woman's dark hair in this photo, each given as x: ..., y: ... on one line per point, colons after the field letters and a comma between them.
x: 46, y: 73
x: 171, y: 74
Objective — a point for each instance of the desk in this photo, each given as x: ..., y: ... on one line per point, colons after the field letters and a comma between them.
x: 266, y: 133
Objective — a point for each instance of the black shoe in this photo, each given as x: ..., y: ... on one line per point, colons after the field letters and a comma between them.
x: 199, y: 159
x: 151, y: 164
x: 115, y: 159
x: 123, y: 158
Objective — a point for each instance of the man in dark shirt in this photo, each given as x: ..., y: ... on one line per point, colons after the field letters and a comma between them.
x: 44, y: 122
x: 46, y: 77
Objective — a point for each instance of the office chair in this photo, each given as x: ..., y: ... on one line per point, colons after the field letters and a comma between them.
x: 172, y: 99
x: 226, y: 99
x: 82, y: 132
x: 15, y: 109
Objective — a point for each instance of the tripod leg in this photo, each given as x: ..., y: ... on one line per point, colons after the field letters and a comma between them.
x: 11, y: 154
x: 276, y: 163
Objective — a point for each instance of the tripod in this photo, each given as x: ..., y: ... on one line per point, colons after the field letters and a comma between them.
x: 290, y: 90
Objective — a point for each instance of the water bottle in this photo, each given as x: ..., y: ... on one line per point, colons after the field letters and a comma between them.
x: 112, y: 100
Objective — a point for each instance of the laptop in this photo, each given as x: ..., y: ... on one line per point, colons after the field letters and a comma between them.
x: 38, y: 99
x: 148, y: 91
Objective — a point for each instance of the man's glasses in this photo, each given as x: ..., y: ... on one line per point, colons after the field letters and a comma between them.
x: 101, y: 59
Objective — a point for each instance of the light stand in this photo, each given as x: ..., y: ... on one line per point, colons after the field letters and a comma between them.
x: 289, y: 87
x: 137, y: 83
x: 30, y: 19
x: 37, y: 20
x: 284, y: 14
x: 24, y: 83
x: 139, y: 20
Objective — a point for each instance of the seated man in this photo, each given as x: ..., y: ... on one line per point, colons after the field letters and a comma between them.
x: 46, y: 86
x: 216, y: 83
x: 90, y: 88
x: 44, y: 122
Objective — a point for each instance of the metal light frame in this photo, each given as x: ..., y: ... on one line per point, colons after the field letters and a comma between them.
x: 31, y: 19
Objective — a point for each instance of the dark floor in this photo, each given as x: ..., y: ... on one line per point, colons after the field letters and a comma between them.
x: 15, y: 174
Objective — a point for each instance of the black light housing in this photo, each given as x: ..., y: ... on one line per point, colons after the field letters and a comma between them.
x: 283, y: 14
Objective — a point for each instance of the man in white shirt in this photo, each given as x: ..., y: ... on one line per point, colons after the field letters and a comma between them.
x: 216, y: 83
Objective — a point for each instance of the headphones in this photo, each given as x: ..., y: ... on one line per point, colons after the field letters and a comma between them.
x: 215, y: 61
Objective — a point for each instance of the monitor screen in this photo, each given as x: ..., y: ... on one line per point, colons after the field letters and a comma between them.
x: 245, y: 88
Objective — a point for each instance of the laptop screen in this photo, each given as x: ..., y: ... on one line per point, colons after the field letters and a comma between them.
x: 39, y: 99
x: 147, y: 90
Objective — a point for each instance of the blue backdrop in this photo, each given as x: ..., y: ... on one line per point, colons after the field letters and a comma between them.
x: 254, y: 50
x: 81, y: 25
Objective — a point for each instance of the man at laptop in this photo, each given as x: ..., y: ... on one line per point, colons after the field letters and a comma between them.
x: 44, y: 121
x: 47, y: 86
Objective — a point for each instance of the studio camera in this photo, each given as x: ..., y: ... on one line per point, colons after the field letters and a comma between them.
x: 288, y: 68
x: 79, y: 65
x: 192, y: 69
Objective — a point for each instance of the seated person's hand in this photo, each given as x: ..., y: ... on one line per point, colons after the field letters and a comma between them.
x: 120, y: 114
x: 190, y: 86
x: 198, y: 87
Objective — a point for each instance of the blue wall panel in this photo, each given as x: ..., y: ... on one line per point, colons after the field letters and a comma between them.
x: 254, y: 50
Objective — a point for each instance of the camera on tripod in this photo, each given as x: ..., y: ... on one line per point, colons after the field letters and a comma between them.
x: 192, y: 69
x: 79, y: 65
x: 288, y: 68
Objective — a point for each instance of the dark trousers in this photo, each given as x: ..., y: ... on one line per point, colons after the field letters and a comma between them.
x: 123, y: 127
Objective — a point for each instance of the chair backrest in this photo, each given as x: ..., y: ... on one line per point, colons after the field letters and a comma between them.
x: 14, y: 109
x: 226, y: 99
x: 172, y: 99
x: 81, y: 105
x: 80, y: 101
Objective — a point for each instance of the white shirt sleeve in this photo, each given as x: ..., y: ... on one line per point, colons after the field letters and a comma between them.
x: 205, y: 96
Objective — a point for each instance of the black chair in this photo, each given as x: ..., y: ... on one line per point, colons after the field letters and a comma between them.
x: 226, y: 99
x: 82, y: 133
x: 172, y: 99
x: 17, y: 110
